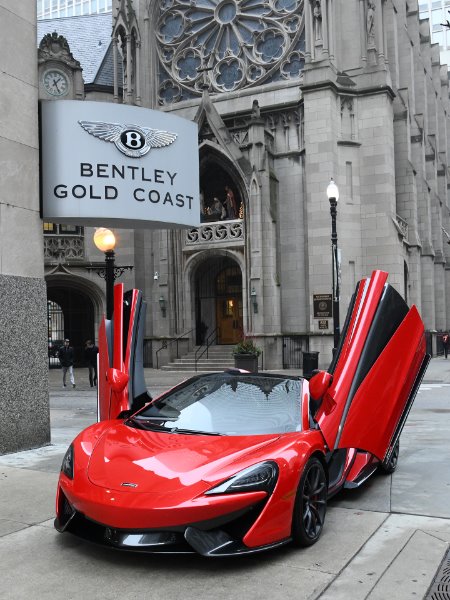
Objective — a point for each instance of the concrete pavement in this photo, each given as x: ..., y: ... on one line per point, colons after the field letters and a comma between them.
x: 384, y: 540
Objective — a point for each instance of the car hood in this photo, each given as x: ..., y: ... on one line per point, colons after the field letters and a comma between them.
x: 145, y: 461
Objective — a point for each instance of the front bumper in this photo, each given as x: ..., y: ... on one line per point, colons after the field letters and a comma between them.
x: 218, y: 537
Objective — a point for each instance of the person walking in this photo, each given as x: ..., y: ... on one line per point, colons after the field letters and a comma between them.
x: 90, y: 354
x: 65, y: 356
x: 445, y: 343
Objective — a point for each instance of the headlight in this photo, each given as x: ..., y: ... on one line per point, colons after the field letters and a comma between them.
x: 259, y: 477
x: 67, y: 463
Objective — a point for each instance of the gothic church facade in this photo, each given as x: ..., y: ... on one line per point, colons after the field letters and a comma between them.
x: 288, y: 94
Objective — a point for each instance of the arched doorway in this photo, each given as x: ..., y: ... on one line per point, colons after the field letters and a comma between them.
x: 218, y: 301
x: 71, y: 315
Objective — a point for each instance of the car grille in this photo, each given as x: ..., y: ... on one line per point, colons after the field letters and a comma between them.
x: 234, y: 526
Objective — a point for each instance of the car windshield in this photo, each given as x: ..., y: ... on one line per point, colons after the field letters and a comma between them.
x: 227, y: 404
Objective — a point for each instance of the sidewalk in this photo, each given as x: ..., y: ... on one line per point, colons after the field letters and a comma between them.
x: 384, y: 540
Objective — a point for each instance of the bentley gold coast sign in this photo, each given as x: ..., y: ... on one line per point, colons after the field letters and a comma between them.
x: 115, y: 165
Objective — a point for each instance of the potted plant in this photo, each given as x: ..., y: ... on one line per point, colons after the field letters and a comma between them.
x: 246, y: 355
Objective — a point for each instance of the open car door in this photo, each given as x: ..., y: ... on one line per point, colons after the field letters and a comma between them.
x: 376, y: 371
x: 121, y: 383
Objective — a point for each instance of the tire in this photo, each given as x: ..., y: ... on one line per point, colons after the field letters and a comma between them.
x: 391, y: 465
x: 310, y: 504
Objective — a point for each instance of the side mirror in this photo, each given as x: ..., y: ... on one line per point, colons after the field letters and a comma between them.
x: 125, y: 414
x: 117, y: 379
x: 318, y: 384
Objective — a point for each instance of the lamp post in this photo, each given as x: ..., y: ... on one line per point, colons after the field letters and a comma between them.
x: 333, y: 197
x: 105, y: 241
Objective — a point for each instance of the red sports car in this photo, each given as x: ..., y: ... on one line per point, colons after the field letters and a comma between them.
x: 233, y: 463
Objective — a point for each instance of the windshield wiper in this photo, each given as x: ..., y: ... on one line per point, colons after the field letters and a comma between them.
x: 150, y: 425
x: 147, y: 425
x: 194, y: 431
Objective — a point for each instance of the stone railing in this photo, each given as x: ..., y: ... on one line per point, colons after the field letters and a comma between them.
x: 224, y: 232
x: 63, y: 248
x: 402, y: 226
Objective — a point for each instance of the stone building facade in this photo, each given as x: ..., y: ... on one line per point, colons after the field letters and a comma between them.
x: 287, y: 94
x: 24, y: 414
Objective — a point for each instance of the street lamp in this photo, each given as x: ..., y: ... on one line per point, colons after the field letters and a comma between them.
x: 333, y: 197
x: 163, y: 305
x: 254, y: 300
x: 105, y: 241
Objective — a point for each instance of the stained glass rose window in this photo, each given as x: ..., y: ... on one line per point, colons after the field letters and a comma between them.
x: 227, y: 44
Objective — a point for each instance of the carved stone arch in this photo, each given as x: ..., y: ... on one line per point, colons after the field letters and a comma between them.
x: 215, y: 168
x: 120, y: 35
x: 75, y: 307
x: 347, y: 109
x: 136, y: 34
x: 255, y: 183
x: 207, y: 115
x: 85, y: 286
x: 253, y: 239
x: 126, y: 17
x: 213, y: 261
x: 194, y: 261
x: 127, y: 40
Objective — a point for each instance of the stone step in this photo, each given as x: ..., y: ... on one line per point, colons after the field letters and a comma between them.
x: 190, y: 359
x: 219, y: 358
x: 200, y: 368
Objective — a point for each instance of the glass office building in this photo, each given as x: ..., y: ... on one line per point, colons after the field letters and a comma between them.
x: 438, y: 13
x: 51, y: 9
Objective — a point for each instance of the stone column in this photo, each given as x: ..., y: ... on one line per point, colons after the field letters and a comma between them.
x: 129, y: 91
x: 379, y: 30
x: 116, y: 82
x: 138, y: 73
x: 325, y: 27
x: 362, y: 29
x: 308, y: 33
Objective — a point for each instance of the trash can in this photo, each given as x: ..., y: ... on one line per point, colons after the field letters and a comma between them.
x: 310, y: 363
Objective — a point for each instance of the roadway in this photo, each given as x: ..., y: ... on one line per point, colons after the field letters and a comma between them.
x: 385, y: 540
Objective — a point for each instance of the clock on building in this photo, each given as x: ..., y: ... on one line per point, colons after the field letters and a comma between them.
x: 55, y: 82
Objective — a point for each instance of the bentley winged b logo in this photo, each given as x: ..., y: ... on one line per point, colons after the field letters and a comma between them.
x: 132, y: 140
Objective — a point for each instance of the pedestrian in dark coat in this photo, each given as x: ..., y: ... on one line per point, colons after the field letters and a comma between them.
x: 66, y: 356
x: 90, y: 354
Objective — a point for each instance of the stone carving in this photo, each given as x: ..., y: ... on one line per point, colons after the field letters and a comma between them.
x: 233, y: 231
x: 240, y: 137
x: 256, y: 111
x: 63, y: 248
x: 370, y: 23
x: 402, y: 226
x: 317, y: 20
x: 54, y: 46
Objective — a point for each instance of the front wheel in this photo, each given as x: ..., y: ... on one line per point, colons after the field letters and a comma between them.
x: 310, y: 504
x: 390, y: 466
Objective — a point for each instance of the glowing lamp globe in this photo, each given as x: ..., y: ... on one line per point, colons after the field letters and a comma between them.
x: 104, y: 239
x: 333, y: 191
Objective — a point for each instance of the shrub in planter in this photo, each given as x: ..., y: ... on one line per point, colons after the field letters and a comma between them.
x: 246, y: 355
